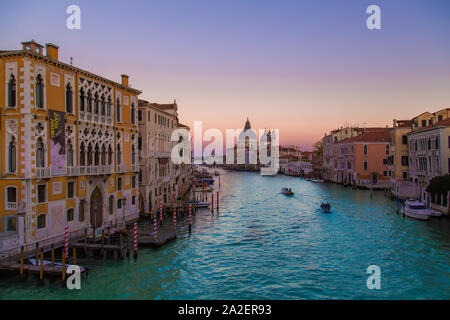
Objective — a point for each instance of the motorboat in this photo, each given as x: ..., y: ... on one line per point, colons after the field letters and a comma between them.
x: 287, y: 191
x: 56, y: 264
x: 416, y: 209
x: 325, y: 207
x: 200, y: 204
x: 317, y: 180
x: 216, y: 173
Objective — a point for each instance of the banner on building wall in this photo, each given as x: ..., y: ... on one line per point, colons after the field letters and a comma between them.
x: 57, y: 131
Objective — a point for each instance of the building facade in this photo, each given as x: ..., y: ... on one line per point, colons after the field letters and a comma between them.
x: 429, y: 154
x: 362, y: 160
x: 69, y: 147
x: 159, y: 179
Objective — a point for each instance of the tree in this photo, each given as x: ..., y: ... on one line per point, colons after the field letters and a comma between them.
x: 318, y: 149
x: 439, y: 185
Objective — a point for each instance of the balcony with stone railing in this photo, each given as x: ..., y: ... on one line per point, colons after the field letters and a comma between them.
x: 43, y: 172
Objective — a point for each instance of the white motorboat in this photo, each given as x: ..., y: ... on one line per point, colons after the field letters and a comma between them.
x: 415, y: 209
x: 317, y: 180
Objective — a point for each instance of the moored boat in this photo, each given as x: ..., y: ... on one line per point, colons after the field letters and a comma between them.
x: 415, y: 209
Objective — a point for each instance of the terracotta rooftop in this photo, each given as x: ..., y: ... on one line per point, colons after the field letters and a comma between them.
x: 380, y: 135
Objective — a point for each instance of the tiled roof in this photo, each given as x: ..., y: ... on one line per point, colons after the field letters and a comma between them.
x: 381, y: 135
x: 405, y: 123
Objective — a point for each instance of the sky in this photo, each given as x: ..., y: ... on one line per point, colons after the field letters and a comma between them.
x: 303, y: 67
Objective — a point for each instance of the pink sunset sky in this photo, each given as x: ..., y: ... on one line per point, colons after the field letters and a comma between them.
x: 304, y: 67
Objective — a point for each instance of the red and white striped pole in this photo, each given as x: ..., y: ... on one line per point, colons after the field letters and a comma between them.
x: 154, y: 227
x: 66, y: 241
x: 175, y: 219
x: 190, y: 216
x: 135, y: 241
x: 160, y: 211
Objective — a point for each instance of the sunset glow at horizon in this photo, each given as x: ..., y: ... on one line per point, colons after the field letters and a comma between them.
x: 304, y: 68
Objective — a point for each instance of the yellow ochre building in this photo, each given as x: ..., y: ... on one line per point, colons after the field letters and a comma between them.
x: 68, y: 148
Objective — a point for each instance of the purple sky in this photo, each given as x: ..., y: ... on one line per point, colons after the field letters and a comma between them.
x: 302, y: 67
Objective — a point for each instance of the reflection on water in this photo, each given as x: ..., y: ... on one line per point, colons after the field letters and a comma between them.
x: 263, y: 245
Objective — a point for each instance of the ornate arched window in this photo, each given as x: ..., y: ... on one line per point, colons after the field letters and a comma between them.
x: 82, y: 100
x: 103, y: 156
x: 96, y: 155
x: 108, y: 107
x: 119, y: 155
x: 69, y: 154
x: 96, y: 109
x: 118, y: 111
x: 110, y: 155
x: 69, y: 102
x: 82, y: 155
x: 39, y: 92
x: 89, y: 102
x: 12, y: 92
x: 102, y: 111
x: 40, y: 153
x: 12, y: 155
x: 89, y: 155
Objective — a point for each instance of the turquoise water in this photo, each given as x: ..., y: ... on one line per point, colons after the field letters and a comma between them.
x: 263, y: 245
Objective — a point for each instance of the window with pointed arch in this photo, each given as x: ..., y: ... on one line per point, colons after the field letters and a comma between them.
x: 69, y: 154
x: 89, y: 102
x: 103, y: 156
x: 69, y: 99
x: 108, y: 107
x: 82, y: 155
x: 89, y: 155
x: 96, y: 103
x: 82, y: 100
x: 118, y: 110
x: 39, y: 92
x: 102, y: 105
x: 96, y: 155
x: 119, y: 155
x: 40, y: 154
x: 12, y: 92
x: 12, y: 155
x: 110, y: 155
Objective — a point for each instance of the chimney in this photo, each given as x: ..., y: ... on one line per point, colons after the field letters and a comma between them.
x: 395, y: 123
x: 52, y: 51
x: 124, y: 80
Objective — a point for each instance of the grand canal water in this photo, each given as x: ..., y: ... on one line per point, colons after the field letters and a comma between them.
x: 263, y: 245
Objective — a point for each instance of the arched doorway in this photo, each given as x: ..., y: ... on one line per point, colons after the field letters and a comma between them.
x: 96, y: 208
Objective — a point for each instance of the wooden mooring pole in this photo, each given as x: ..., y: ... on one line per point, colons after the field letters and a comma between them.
x: 41, y: 272
x: 53, y: 255
x: 74, y: 253
x: 21, y: 261
x: 63, y: 270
